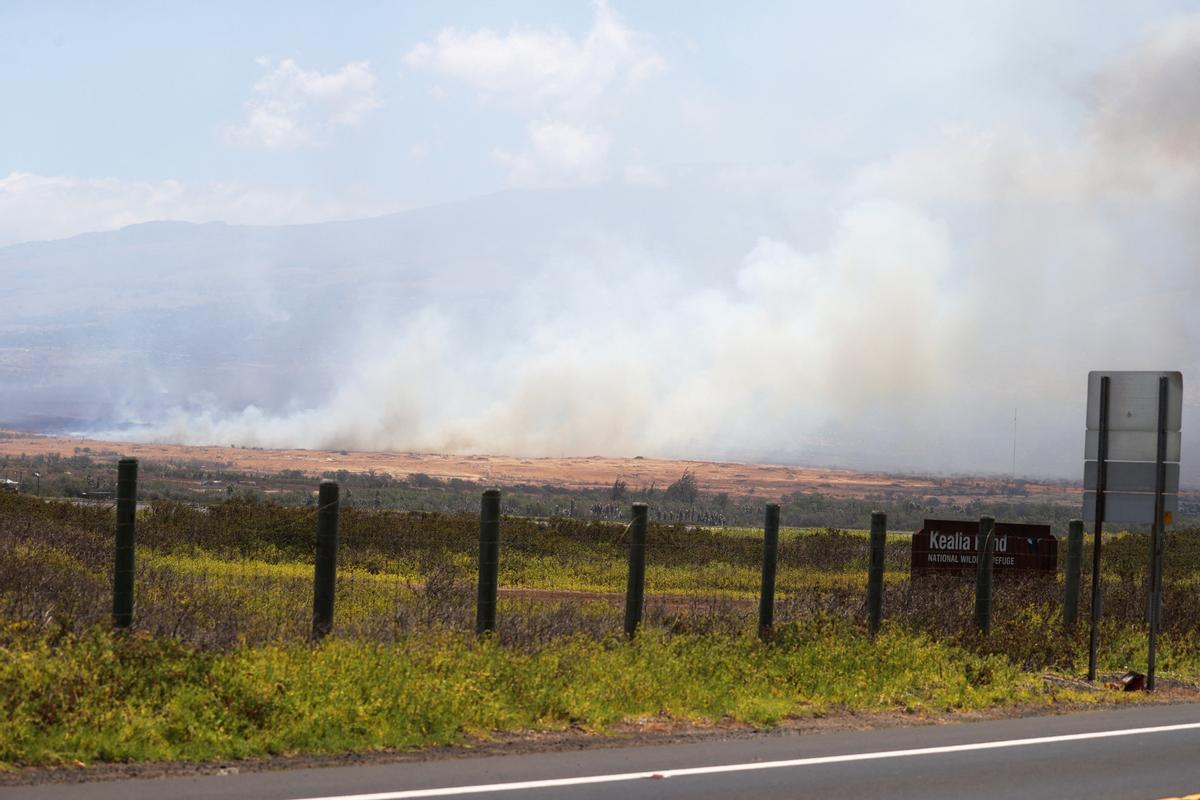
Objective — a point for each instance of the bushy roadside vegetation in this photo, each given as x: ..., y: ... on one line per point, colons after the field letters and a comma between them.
x: 241, y: 571
x: 103, y: 697
x: 218, y: 664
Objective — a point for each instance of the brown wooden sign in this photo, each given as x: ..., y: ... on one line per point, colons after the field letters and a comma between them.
x: 950, y: 546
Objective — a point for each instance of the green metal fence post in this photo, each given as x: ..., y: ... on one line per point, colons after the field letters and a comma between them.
x: 489, y: 561
x: 766, y: 598
x: 325, y: 573
x: 1074, y: 564
x: 875, y: 571
x: 635, y: 589
x: 123, y: 561
x: 985, y: 547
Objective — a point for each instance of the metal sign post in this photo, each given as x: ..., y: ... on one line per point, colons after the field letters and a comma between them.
x: 1101, y: 481
x: 1156, y: 532
x: 1131, y: 474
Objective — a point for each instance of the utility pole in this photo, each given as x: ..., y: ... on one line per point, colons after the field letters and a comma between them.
x: 1014, y: 453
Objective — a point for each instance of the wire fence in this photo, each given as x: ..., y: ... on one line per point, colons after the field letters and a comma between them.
x: 242, y: 571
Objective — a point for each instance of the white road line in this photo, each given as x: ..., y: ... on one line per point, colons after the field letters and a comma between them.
x: 795, y: 762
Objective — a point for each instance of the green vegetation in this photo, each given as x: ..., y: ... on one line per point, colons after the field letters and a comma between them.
x: 218, y: 664
x: 109, y: 698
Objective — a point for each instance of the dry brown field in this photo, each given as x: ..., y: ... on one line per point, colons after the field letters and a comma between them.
x: 768, y: 480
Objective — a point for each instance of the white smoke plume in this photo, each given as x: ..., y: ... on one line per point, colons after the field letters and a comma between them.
x: 921, y: 300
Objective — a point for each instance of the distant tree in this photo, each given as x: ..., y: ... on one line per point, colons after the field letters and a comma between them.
x: 722, y: 500
x: 618, y: 489
x: 420, y: 480
x: 683, y: 490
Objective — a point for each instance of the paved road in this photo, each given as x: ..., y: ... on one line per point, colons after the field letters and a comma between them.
x: 1140, y: 753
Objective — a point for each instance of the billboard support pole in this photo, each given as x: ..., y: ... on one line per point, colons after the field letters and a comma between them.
x: 1101, y: 480
x: 1156, y: 533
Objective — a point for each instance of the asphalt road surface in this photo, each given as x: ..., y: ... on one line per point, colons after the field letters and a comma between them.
x: 1148, y: 752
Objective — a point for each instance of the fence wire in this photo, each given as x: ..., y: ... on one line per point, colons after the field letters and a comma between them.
x: 241, y: 571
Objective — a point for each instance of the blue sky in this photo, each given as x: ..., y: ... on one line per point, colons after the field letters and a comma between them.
x: 149, y: 107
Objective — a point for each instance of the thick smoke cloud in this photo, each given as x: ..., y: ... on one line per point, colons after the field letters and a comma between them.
x: 919, y: 301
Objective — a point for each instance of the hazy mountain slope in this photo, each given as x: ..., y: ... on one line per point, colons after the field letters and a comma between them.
x: 126, y: 323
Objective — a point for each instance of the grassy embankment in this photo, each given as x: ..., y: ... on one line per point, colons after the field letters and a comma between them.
x: 100, y: 697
